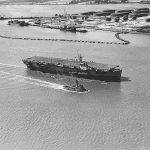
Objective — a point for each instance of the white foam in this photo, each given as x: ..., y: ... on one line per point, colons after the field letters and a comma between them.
x: 29, y: 80
x: 76, y: 91
x: 9, y: 65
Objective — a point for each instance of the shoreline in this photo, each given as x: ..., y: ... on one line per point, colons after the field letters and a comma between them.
x: 30, y: 3
x: 129, y: 32
x: 113, y: 29
x: 132, y: 21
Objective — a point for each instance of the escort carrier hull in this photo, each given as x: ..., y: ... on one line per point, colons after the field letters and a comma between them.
x: 74, y: 67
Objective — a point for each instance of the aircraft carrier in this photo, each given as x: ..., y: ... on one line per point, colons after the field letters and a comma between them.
x: 74, y: 67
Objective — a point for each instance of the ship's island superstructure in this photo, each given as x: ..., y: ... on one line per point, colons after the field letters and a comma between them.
x: 74, y: 67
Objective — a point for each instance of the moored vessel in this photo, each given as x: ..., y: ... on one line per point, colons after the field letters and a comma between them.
x: 70, y: 28
x: 17, y: 22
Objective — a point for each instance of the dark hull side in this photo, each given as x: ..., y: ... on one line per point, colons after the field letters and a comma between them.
x: 75, y: 88
x: 108, y: 76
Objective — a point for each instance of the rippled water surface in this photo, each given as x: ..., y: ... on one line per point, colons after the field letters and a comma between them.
x: 36, y: 113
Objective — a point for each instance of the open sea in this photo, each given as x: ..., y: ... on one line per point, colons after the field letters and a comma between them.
x: 37, y: 114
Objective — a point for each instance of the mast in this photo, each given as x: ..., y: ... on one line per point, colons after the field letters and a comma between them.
x: 79, y: 57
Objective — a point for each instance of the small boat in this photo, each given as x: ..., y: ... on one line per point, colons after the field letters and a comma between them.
x: 82, y: 30
x: 17, y: 22
x: 75, y: 88
x: 70, y: 28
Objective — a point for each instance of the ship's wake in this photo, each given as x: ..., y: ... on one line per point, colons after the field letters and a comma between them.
x: 16, y: 73
x: 29, y: 80
x: 9, y: 65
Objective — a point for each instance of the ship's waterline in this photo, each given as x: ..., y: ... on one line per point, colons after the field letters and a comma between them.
x: 36, y: 114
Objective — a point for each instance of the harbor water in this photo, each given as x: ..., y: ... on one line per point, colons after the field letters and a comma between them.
x: 36, y: 113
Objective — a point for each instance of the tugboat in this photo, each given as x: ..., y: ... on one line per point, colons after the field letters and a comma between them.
x: 76, y: 87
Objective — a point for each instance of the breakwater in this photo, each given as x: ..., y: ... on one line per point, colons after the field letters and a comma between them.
x: 11, y: 18
x: 121, y: 39
x: 124, y: 42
